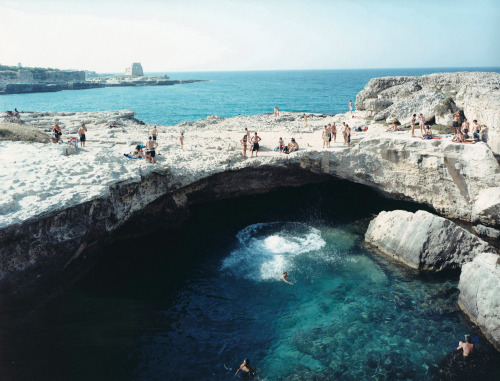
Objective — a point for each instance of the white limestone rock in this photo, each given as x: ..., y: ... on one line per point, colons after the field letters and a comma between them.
x: 480, y: 294
x: 485, y: 231
x: 423, y: 240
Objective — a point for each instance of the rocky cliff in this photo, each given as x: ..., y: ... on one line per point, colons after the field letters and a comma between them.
x: 437, y: 96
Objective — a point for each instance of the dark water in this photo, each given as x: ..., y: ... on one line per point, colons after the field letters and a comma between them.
x: 191, y: 303
x: 226, y: 94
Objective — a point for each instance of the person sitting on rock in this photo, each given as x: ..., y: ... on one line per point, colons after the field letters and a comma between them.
x: 467, y: 347
x: 281, y: 145
x: 394, y: 127
x: 476, y: 129
x: 428, y: 132
x: 57, y: 132
x: 137, y: 153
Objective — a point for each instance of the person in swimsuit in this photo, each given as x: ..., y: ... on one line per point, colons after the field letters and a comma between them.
x: 154, y: 133
x: 329, y: 129
x: 413, y: 121
x: 150, y: 150
x: 247, y: 133
x: 255, y: 144
x: 181, y: 140
x: 350, y: 106
x: 283, y: 278
x: 246, y: 370
x: 137, y: 153
x: 428, y: 132
x: 476, y: 129
x: 244, y: 142
x: 325, y: 136
x: 276, y: 111
x: 465, y: 128
x: 421, y: 118
x: 456, y: 122
x: 334, y: 132
x: 343, y: 132
x: 348, y: 135
x: 394, y: 127
x: 467, y: 346
x: 305, y: 119
x: 57, y: 132
x: 81, y: 131
x: 281, y: 145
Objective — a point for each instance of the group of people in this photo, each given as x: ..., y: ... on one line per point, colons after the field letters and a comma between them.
x: 462, y: 129
x: 150, y: 148
x: 330, y: 132
x: 255, y: 139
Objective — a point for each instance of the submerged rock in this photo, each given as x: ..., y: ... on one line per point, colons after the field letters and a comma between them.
x: 423, y: 241
x: 479, y: 294
x: 481, y: 366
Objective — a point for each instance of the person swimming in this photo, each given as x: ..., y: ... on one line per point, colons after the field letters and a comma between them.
x: 283, y: 278
x: 246, y: 370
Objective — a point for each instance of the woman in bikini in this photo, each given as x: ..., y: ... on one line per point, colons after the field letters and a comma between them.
x: 334, y: 132
x: 422, y: 123
x: 244, y: 142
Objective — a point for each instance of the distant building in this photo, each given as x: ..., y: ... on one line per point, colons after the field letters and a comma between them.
x: 134, y: 69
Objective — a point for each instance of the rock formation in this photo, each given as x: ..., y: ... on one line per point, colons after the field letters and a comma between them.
x: 485, y: 231
x: 479, y: 294
x: 423, y: 241
x: 135, y: 69
x: 437, y: 96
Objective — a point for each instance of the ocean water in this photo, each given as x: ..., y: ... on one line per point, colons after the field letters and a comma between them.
x: 192, y: 303
x: 226, y: 94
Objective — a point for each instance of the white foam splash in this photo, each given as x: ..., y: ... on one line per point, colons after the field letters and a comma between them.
x: 266, y: 250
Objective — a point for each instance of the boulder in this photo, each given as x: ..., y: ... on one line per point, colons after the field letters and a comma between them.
x: 423, y: 240
x: 479, y: 298
x: 486, y: 232
x: 68, y: 149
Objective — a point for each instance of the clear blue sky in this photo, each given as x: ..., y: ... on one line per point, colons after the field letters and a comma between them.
x: 192, y: 35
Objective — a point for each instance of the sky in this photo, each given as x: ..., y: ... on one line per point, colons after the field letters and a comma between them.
x: 218, y: 35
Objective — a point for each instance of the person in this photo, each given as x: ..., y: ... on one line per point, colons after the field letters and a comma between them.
x: 394, y: 127
x: 334, y: 132
x: 325, y: 136
x: 255, y: 144
x: 428, y: 132
x: 329, y: 129
x: 343, y: 132
x: 281, y: 145
x: 283, y: 278
x: 137, y: 153
x: 350, y: 106
x: 476, y: 129
x: 357, y: 117
x: 421, y: 118
x: 460, y: 138
x: 456, y: 122
x: 413, y: 121
x: 244, y: 142
x: 465, y: 128
x: 246, y: 369
x: 154, y: 133
x: 150, y: 150
x: 305, y: 119
x: 81, y: 131
x: 276, y: 111
x: 348, y: 135
x: 467, y: 346
x: 57, y: 132
x: 181, y: 140
x: 249, y: 138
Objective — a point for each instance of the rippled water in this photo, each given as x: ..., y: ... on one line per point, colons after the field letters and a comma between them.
x: 192, y: 303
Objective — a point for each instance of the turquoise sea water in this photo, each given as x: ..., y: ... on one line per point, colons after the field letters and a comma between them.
x: 226, y: 94
x: 192, y: 303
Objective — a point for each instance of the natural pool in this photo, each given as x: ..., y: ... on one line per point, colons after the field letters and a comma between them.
x: 191, y: 304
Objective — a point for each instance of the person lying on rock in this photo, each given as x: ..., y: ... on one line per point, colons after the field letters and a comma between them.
x: 467, y: 347
x: 460, y: 138
x: 291, y: 147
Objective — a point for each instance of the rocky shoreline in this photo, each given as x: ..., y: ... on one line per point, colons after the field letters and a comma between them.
x: 59, y: 211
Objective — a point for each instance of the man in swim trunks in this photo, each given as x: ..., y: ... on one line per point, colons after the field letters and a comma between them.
x: 255, y: 144
x: 465, y: 128
x: 81, y: 131
x: 413, y: 121
x: 283, y: 278
x: 325, y: 136
x: 456, y: 122
x: 476, y: 128
x: 348, y: 135
x: 154, y: 133
x: 467, y: 347
x: 334, y: 132
x: 181, y: 140
x: 329, y: 129
x: 150, y: 150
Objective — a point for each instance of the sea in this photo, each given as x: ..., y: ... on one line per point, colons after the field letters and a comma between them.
x: 225, y: 94
x: 192, y: 302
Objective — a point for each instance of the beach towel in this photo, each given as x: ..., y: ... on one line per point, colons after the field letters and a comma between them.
x: 127, y: 155
x: 434, y: 137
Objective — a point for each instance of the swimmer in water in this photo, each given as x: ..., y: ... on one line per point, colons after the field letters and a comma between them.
x: 467, y: 347
x: 283, y: 278
x: 246, y: 370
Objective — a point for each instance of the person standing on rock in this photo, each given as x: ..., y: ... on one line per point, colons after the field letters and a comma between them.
x: 456, y: 122
x: 154, y: 133
x: 421, y: 118
x: 255, y: 144
x: 276, y: 111
x: 334, y: 132
x: 181, y: 140
x: 305, y: 120
x: 244, y: 142
x: 350, y: 106
x: 324, y: 136
x: 150, y: 150
x: 329, y: 129
x: 413, y: 121
x: 476, y: 129
x: 348, y: 135
x: 465, y: 128
x: 81, y: 131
